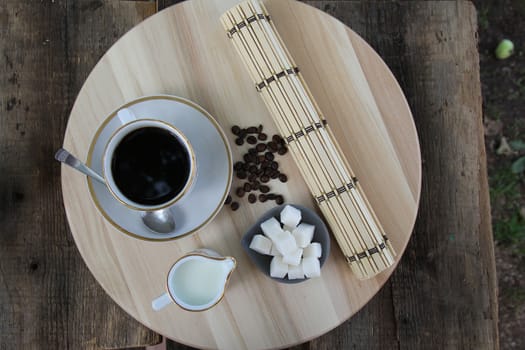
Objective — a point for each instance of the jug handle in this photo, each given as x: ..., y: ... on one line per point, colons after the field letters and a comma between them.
x: 161, y: 302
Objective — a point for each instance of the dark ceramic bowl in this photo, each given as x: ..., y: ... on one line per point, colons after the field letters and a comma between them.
x: 308, y: 216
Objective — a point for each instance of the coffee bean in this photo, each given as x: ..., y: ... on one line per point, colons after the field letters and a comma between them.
x: 269, y: 156
x: 261, y: 158
x: 239, y: 141
x: 260, y: 172
x: 255, y: 185
x: 241, y: 175
x: 275, y: 165
x: 236, y: 130
x: 260, y: 128
x: 265, y: 178
x: 252, y: 151
x: 262, y: 198
x: 252, y: 177
x: 251, y: 198
x: 264, y: 189
x: 247, y: 158
x: 267, y: 171
x: 272, y: 146
x: 283, y: 178
x: 245, y: 166
x: 238, y: 165
x: 271, y: 196
x: 228, y: 200
x: 274, y: 174
x: 261, y: 147
x: 262, y: 137
x: 235, y: 206
x: 282, y: 151
x: 252, y: 130
x: 277, y: 138
x: 242, y: 133
x: 247, y: 187
x: 279, y: 200
x: 240, y: 192
x: 252, y: 169
x: 252, y: 140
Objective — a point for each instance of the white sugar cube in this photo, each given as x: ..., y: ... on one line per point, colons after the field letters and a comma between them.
x: 313, y: 250
x: 311, y: 267
x: 284, y: 242
x: 278, y: 268
x: 295, y: 272
x: 290, y: 216
x: 303, y: 234
x: 271, y: 227
x: 274, y: 251
x: 293, y: 258
x: 261, y: 244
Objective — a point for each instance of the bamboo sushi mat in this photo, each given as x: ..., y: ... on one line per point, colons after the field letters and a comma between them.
x: 322, y: 164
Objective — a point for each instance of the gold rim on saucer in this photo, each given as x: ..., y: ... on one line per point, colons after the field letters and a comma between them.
x: 150, y: 98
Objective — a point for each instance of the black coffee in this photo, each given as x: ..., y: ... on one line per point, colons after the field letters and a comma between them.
x: 150, y: 166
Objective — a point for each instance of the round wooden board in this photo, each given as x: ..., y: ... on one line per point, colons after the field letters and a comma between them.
x: 184, y: 51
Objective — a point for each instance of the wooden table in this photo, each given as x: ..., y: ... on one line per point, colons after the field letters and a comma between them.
x: 443, y: 292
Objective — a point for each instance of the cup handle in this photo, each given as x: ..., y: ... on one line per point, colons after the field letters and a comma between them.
x: 161, y: 302
x: 125, y: 115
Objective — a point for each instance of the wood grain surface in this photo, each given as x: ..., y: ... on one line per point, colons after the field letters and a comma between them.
x: 49, y: 300
x: 360, y: 100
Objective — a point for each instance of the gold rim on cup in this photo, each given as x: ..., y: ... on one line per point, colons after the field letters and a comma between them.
x: 193, y: 171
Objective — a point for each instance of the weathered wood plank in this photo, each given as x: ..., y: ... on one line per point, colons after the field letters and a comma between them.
x: 48, y: 298
x: 450, y: 266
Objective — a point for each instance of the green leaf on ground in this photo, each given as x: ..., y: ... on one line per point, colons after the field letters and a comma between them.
x: 518, y: 166
x: 517, y: 145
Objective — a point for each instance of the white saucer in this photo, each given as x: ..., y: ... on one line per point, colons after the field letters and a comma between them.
x: 213, y: 162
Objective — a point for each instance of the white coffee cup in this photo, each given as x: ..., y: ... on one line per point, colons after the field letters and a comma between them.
x: 197, y: 281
